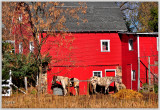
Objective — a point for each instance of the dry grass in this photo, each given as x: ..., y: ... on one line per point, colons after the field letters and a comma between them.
x: 82, y: 101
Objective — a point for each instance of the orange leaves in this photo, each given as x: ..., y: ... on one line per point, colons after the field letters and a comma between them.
x: 85, y: 21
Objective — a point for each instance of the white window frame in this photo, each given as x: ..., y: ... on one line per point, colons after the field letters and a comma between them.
x: 133, y: 74
x: 31, y: 47
x: 20, y: 47
x: 98, y: 71
x: 110, y: 70
x: 129, y: 46
x: 102, y: 46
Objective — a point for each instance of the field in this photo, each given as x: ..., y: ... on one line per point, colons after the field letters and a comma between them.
x: 149, y: 100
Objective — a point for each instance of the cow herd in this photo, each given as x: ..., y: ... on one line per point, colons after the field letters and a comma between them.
x: 94, y: 81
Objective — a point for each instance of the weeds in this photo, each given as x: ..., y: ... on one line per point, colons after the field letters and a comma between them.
x: 32, y: 100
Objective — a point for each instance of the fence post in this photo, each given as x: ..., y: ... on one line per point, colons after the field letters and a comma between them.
x: 149, y: 76
x: 10, y: 82
x: 69, y: 88
x: 25, y: 83
x: 87, y: 87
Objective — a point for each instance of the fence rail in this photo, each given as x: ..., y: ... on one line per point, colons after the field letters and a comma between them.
x: 8, y: 92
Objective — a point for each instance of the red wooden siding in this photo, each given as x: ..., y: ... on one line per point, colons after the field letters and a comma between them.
x: 86, y: 49
x: 86, y: 56
x: 129, y: 61
x: 148, y: 47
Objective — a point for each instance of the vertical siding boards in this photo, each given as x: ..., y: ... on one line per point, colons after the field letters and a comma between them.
x: 129, y: 61
x: 148, y: 47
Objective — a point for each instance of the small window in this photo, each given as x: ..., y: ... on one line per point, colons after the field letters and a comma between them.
x: 20, y: 47
x: 133, y: 75
x: 31, y: 46
x: 97, y: 73
x: 105, y: 45
x: 130, y: 44
x: 20, y: 17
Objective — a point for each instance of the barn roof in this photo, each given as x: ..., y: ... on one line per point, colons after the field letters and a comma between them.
x: 101, y: 16
x: 140, y: 34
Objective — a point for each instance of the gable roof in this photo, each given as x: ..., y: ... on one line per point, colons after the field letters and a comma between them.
x: 101, y: 17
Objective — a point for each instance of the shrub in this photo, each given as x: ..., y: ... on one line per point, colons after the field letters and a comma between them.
x: 156, y: 88
x: 34, y: 91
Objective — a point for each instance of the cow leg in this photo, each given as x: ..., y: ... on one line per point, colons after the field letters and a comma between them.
x: 75, y: 89
x: 64, y: 88
x: 65, y: 91
x: 106, y: 89
x: 94, y: 88
x: 117, y: 86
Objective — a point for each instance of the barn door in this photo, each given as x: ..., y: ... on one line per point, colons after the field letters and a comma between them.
x: 111, y: 72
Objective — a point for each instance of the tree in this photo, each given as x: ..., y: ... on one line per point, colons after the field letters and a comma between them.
x: 130, y: 12
x: 141, y: 16
x: 153, y: 23
x: 148, y: 17
x: 37, y: 17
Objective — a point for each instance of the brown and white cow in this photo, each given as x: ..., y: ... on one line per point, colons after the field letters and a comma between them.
x: 65, y: 81
x: 105, y: 81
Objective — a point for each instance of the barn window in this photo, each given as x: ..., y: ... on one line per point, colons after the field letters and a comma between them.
x: 31, y: 46
x: 105, y: 45
x: 133, y: 75
x: 130, y: 44
x: 97, y: 73
x: 20, y: 47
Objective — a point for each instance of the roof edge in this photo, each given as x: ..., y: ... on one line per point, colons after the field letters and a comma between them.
x: 138, y: 33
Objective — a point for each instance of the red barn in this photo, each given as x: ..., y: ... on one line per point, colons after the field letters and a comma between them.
x: 101, y: 47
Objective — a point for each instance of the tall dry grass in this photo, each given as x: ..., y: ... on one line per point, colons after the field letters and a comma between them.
x: 82, y: 101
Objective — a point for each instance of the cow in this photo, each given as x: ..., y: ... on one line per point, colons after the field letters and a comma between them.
x: 75, y: 84
x: 65, y: 81
x: 105, y: 81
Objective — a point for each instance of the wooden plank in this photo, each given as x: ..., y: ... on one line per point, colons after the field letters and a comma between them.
x: 149, y: 71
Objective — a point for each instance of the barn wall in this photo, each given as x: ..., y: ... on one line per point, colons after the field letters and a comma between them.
x: 84, y: 57
x: 129, y: 61
x: 148, y: 47
x: 84, y: 49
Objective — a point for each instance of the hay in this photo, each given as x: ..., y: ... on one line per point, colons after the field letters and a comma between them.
x: 127, y: 94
